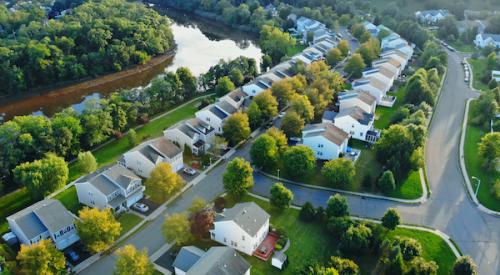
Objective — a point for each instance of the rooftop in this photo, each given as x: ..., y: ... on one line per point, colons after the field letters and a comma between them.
x: 327, y: 130
x: 220, y: 260
x: 187, y: 257
x: 249, y: 216
x: 356, y: 113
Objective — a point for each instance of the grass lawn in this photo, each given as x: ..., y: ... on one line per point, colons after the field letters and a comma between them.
x: 310, y: 241
x: 128, y: 221
x: 384, y: 115
x: 474, y: 169
x: 461, y: 47
x: 69, y: 199
x: 11, y: 203
x: 298, y: 48
x: 478, y: 70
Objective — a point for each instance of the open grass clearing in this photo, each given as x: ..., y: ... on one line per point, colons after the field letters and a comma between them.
x: 384, y: 115
x: 478, y: 70
x: 69, y: 199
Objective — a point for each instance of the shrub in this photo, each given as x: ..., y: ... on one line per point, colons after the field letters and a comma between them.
x: 495, y: 189
x: 307, y: 212
x: 386, y: 183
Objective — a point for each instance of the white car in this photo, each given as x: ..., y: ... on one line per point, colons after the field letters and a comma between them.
x: 141, y: 207
x: 189, y: 171
x: 282, y: 114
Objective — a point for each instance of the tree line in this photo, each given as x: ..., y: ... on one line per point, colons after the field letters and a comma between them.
x: 95, y: 38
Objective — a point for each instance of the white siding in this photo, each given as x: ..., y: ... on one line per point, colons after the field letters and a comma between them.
x: 210, y: 118
x: 352, y: 102
x: 138, y: 163
x: 230, y: 234
x: 352, y: 127
x: 90, y: 196
x: 252, y: 89
x: 323, y: 148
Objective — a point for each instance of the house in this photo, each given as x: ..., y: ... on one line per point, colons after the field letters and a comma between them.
x: 215, y: 114
x: 359, y: 98
x: 495, y: 75
x: 353, y: 121
x: 47, y: 219
x: 394, y: 60
x: 371, y: 28
x: 235, y: 98
x: 194, y: 133
x: 375, y: 87
x: 487, y: 39
x: 384, y: 75
x: 325, y: 139
x: 144, y: 158
x: 218, y: 260
x: 305, y: 25
x: 431, y: 16
x: 113, y: 187
x: 242, y: 227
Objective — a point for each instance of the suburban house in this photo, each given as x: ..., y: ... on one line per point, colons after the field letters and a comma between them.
x: 389, y: 63
x: 235, y: 98
x: 495, y: 75
x: 218, y: 260
x: 375, y: 87
x: 144, y: 158
x: 257, y: 86
x: 359, y: 98
x: 487, y: 39
x: 371, y: 28
x: 352, y: 120
x: 395, y: 58
x: 194, y: 133
x: 384, y: 75
x: 305, y: 25
x: 215, y: 114
x: 113, y: 187
x: 431, y: 16
x: 46, y: 219
x: 242, y: 227
x: 325, y: 139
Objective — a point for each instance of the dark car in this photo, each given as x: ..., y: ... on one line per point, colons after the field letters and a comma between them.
x: 72, y: 255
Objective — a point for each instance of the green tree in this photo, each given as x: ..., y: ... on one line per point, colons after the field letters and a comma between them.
x: 386, y: 182
x: 275, y: 42
x: 337, y: 206
x: 339, y: 172
x: 268, y: 105
x: 98, y: 229
x: 254, y: 115
x: 41, y: 258
x: 301, y: 105
x: 264, y: 152
x: 391, y: 219
x: 224, y: 86
x: 86, y: 162
x: 344, y: 266
x: 344, y: 48
x: 489, y: 151
x: 281, y: 197
x: 299, y: 162
x: 163, y: 182
x: 396, y: 145
x: 43, y: 176
x: 236, y: 128
x: 283, y: 91
x: 464, y: 266
x: 197, y: 205
x: 133, y: 262
x: 307, y: 212
x: 279, y: 138
x: 238, y: 177
x: 337, y: 226
x: 356, y: 238
x: 177, y: 229
x: 292, y: 124
x: 410, y: 248
x: 419, y: 266
x: 132, y: 138
x: 492, y: 61
x: 188, y: 81
x: 236, y: 76
x: 333, y: 57
x: 355, y: 66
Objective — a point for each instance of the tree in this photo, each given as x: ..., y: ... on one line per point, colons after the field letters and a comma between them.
x: 275, y: 42
x: 86, y: 162
x: 292, y: 124
x: 464, y: 266
x: 281, y: 197
x: 495, y: 189
x: 356, y: 238
x: 355, y: 66
x: 419, y: 266
x: 410, y: 248
x: 177, y: 229
x: 268, y: 105
x: 391, y: 219
x: 197, y: 205
x: 491, y: 61
x: 282, y: 91
x: 201, y: 223
x: 344, y: 48
x: 97, y: 229
x: 339, y: 171
x: 236, y: 76
x: 307, y: 212
x: 344, y: 266
x: 337, y: 206
x: 132, y: 262
x: 333, y: 57
x: 224, y: 86
x: 264, y: 152
x: 386, y: 182
x: 41, y: 258
x: 337, y: 226
x: 43, y: 176
x: 357, y: 30
x: 163, y: 182
x: 301, y: 105
x: 299, y: 161
x: 238, y: 177
x: 132, y: 138
x: 489, y: 151
x: 254, y: 115
x: 188, y: 81
x: 236, y: 128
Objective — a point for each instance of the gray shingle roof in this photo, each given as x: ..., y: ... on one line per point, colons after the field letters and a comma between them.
x: 120, y: 175
x: 187, y: 257
x: 216, y: 111
x: 249, y: 216
x: 356, y: 113
x: 327, y: 130
x: 220, y: 260
x: 103, y: 184
x: 226, y: 107
x: 108, y: 179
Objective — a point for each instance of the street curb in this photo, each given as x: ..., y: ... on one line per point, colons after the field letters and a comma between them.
x: 420, y: 200
x: 463, y: 168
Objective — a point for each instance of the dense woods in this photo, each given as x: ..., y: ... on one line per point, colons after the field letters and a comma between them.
x: 95, y: 38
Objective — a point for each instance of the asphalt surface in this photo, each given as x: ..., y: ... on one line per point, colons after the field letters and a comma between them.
x: 448, y: 209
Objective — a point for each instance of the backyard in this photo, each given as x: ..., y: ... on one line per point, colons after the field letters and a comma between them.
x: 474, y: 169
x: 384, y: 115
x: 478, y: 67
x: 310, y: 241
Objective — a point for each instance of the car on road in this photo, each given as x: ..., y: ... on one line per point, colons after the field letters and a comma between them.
x: 189, y: 171
x: 72, y: 255
x: 282, y: 114
x: 141, y: 207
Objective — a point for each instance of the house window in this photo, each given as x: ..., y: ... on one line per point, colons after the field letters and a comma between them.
x: 243, y: 238
x: 208, y: 119
x: 320, y: 145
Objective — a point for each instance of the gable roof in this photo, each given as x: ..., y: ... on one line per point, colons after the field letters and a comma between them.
x: 120, y: 175
x: 248, y: 216
x: 327, y: 130
x: 356, y: 113
x: 217, y: 112
x: 110, y: 178
x: 220, y: 260
x: 187, y: 257
x: 494, y: 37
x: 156, y: 148
x: 360, y: 94
x: 237, y: 95
x: 226, y: 107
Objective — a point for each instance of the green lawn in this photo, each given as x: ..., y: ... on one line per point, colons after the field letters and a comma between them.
x: 69, y: 199
x: 11, y: 203
x: 478, y: 70
x: 310, y: 241
x: 298, y: 48
x: 474, y: 169
x: 384, y: 115
x: 128, y: 221
x: 461, y: 47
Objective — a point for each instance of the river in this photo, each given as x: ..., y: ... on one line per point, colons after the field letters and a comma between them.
x: 200, y: 45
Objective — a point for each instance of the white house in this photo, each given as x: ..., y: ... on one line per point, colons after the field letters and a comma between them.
x: 431, y: 16
x: 371, y: 28
x: 495, y: 75
x: 235, y: 98
x: 354, y: 121
x: 47, y: 219
x: 193, y: 133
x: 113, y: 187
x: 305, y: 25
x: 242, y: 227
x: 487, y: 39
x: 359, y: 98
x: 325, y: 139
x: 215, y: 114
x: 384, y: 75
x: 217, y: 260
x: 375, y: 87
x: 395, y: 61
x: 144, y: 158
x: 256, y: 87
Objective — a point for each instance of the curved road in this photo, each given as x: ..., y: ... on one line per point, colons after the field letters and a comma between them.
x: 448, y: 209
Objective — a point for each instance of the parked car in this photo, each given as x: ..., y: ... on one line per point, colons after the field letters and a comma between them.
x: 282, y: 114
x: 141, y: 207
x: 189, y: 171
x: 296, y: 139
x: 72, y: 255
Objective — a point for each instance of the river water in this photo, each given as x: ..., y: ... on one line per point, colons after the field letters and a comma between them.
x: 200, y: 45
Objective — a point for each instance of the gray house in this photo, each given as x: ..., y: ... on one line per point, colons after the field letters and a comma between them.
x: 217, y: 260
